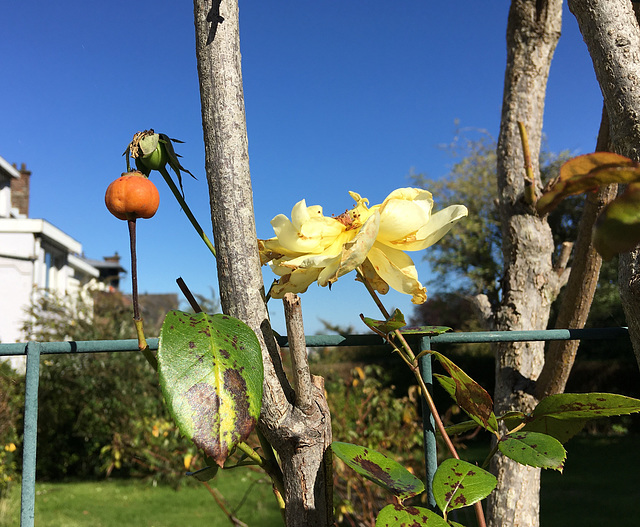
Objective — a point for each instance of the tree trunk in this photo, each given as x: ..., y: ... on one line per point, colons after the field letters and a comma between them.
x: 530, y: 283
x: 301, y: 437
x: 581, y: 286
x: 610, y: 30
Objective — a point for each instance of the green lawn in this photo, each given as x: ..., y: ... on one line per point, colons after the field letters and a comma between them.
x: 600, y: 486
x: 118, y: 503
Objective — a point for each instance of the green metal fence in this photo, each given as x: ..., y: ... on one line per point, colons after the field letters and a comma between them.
x: 33, y: 351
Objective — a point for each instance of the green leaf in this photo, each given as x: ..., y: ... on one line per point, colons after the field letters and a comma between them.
x: 204, y: 474
x: 457, y: 484
x: 534, y: 449
x: 585, y: 173
x: 512, y: 419
x: 210, y: 369
x: 617, y: 229
x: 460, y: 428
x: 469, y: 395
x: 173, y: 160
x: 395, y: 321
x: 561, y: 429
x: 427, y: 331
x: 585, y: 406
x: 380, y: 469
x: 396, y: 515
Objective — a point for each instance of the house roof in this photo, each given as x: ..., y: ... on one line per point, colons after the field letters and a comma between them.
x: 83, y: 266
x: 42, y: 228
x: 8, y: 169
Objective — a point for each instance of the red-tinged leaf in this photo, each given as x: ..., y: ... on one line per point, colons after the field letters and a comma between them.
x: 469, y: 395
x: 449, y: 386
x: 586, y: 173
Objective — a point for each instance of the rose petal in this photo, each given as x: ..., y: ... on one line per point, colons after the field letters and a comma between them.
x: 440, y: 224
x: 396, y: 269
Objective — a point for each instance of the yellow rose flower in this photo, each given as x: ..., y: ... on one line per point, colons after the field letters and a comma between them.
x: 312, y: 247
x: 406, y: 224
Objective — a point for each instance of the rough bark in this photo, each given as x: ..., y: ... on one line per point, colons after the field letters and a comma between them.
x: 581, y: 286
x: 530, y: 283
x: 301, y: 438
x: 610, y: 30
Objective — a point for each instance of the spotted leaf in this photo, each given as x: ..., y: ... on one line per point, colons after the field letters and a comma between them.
x: 458, y: 484
x: 397, y: 515
x: 585, y: 406
x: 380, y: 469
x: 467, y: 393
x: 210, y: 369
x: 534, y: 449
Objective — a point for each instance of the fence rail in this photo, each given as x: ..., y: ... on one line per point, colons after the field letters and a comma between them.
x: 33, y: 351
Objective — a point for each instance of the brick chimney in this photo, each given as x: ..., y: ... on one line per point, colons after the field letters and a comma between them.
x: 20, y: 190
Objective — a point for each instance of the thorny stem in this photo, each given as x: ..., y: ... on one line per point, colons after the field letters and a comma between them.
x: 137, y: 319
x: 408, y: 356
x: 186, y: 209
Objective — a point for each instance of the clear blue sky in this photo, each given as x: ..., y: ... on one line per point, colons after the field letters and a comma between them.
x: 339, y: 96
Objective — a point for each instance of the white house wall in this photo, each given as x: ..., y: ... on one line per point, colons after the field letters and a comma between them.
x: 5, y: 198
x: 16, y: 278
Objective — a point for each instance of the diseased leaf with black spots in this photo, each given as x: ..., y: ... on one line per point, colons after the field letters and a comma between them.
x: 468, y: 394
x: 458, y: 484
x: 400, y: 515
x: 210, y: 370
x: 585, y: 406
x: 533, y: 449
x: 380, y: 469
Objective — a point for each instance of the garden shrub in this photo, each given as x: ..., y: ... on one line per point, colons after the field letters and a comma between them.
x: 11, y: 405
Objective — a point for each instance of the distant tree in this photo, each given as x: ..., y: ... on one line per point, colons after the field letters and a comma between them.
x: 86, y: 316
x: 88, y: 403
x: 469, y: 259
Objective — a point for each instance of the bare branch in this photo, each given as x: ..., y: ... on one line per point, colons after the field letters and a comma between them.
x: 298, y: 352
x: 483, y: 310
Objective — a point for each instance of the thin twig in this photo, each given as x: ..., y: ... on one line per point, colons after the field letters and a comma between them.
x: 188, y: 295
x: 222, y: 504
x: 409, y: 357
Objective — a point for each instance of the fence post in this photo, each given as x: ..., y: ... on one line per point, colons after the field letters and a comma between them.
x: 29, y: 442
x: 428, y: 424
